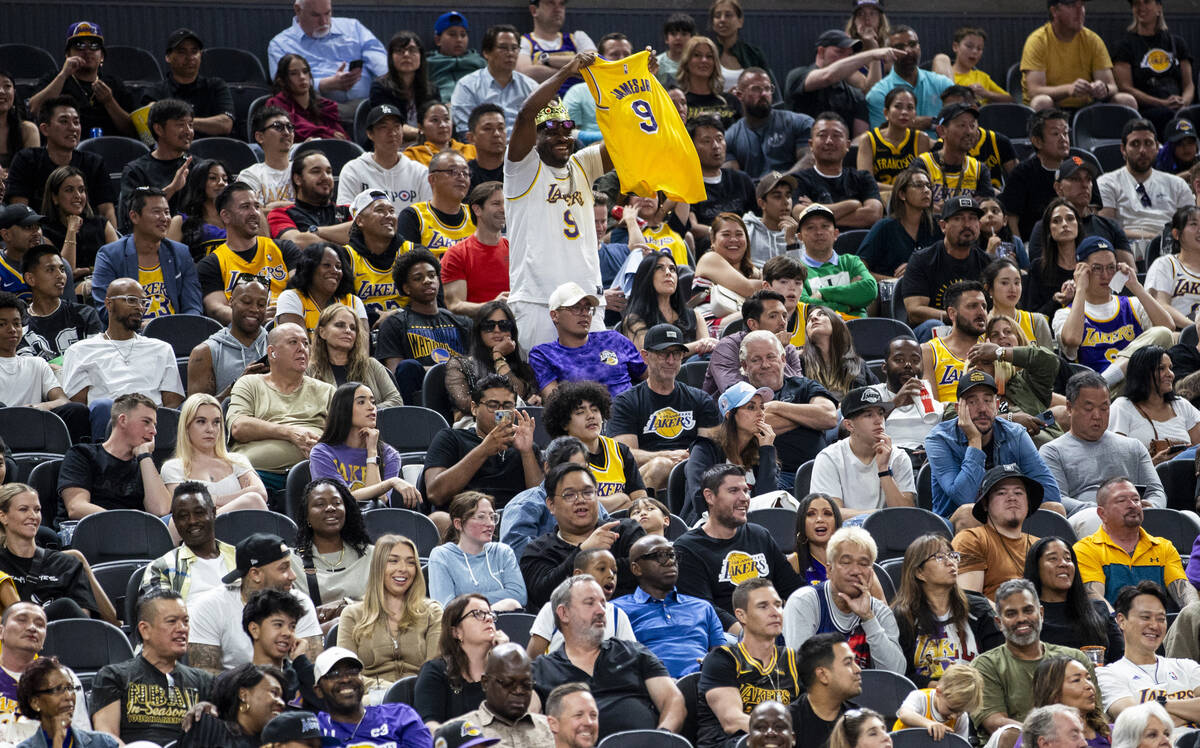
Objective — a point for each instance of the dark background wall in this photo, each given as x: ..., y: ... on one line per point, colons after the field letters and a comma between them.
x: 786, y: 30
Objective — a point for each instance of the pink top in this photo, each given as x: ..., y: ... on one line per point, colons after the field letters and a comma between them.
x: 328, y: 126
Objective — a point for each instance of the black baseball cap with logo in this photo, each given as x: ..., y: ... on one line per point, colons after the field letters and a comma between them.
x: 300, y: 727
x: 1071, y: 164
x: 256, y: 550
x: 955, y: 205
x: 863, y: 398
x: 664, y: 336
x: 461, y: 733
x: 975, y: 378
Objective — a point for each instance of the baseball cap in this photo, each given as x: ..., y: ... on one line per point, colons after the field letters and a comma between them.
x: 814, y: 210
x: 838, y: 38
x: 256, y: 550
x: 298, y: 726
x: 1179, y: 129
x: 739, y: 394
x: 661, y: 337
x: 1091, y: 245
x: 84, y: 29
x: 18, y: 214
x: 461, y: 733
x: 1033, y: 489
x: 1072, y: 164
x: 975, y: 378
x: 363, y: 199
x: 956, y: 205
x: 179, y: 36
x: 446, y: 20
x: 863, y: 398
x: 867, y: 3
x: 771, y: 180
x: 570, y: 294
x: 328, y: 659
x: 950, y: 111
x: 381, y: 111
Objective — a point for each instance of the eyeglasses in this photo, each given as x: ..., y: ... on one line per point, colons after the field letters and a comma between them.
x: 510, y: 48
x: 279, y: 127
x: 1103, y: 269
x: 464, y: 173
x: 660, y: 557
x: 559, y: 124
x: 581, y: 310
x: 485, y: 517
x: 495, y: 405
x: 483, y: 616
x: 344, y: 672
x: 133, y: 300
x: 944, y: 557
x: 90, y: 46
x: 502, y: 325
x: 58, y: 690
x: 1144, y: 196
x: 587, y: 494
x: 761, y: 89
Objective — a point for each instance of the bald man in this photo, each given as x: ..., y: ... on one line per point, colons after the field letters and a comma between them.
x: 507, y: 694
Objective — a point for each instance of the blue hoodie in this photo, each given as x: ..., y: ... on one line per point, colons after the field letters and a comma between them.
x: 493, y: 573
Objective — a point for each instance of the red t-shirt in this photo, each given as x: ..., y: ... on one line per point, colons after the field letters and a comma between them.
x: 483, y: 266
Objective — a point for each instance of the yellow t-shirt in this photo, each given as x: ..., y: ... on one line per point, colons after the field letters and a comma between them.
x: 423, y: 153
x: 151, y: 280
x: 971, y: 77
x: 1063, y: 62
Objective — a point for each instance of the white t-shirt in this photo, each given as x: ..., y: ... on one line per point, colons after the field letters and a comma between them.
x: 206, y: 574
x: 921, y: 702
x: 616, y: 625
x: 172, y: 473
x: 1118, y: 189
x: 25, y: 380
x: 1107, y: 310
x: 217, y: 620
x: 551, y: 226
x: 905, y: 424
x: 1169, y: 275
x: 405, y: 183
x: 289, y: 303
x: 270, y: 185
x: 1168, y: 676
x: 839, y: 473
x: 118, y: 367
x: 1125, y: 418
x: 582, y: 41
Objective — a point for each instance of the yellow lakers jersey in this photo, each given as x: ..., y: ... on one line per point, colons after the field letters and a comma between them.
x: 987, y: 152
x: 947, y: 368
x: 890, y: 159
x: 664, y: 237
x: 267, y: 262
x: 927, y: 712
x: 643, y: 132
x: 151, y: 280
x: 946, y: 185
x: 436, y: 236
x: 374, y: 286
x: 610, y: 472
x: 797, y: 324
x: 312, y: 312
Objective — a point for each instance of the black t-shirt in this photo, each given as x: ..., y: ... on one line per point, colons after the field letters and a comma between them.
x: 725, y: 107
x: 840, y: 97
x: 88, y: 240
x: 307, y: 218
x: 502, y: 476
x: 730, y: 667
x: 932, y: 270
x: 50, y: 336
x: 92, y: 113
x: 1038, y: 296
x: 437, y: 700
x: 662, y: 422
x: 429, y: 339
x: 812, y: 731
x: 851, y: 184
x: 1154, y: 61
x: 479, y: 175
x: 49, y: 576
x: 1028, y: 189
x: 548, y: 560
x: 1058, y: 627
x: 142, y: 172
x: 113, y: 483
x: 733, y: 194
x: 31, y: 166
x: 618, y: 683
x: 802, y: 443
x: 208, y: 270
x: 151, y: 706
x: 209, y: 97
x: 1185, y: 359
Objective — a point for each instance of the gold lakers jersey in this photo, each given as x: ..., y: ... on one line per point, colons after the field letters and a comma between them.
x: 798, y: 324
x: 947, y: 368
x: 927, y: 712
x: 374, y: 286
x: 312, y: 312
x: 664, y: 237
x: 643, y: 132
x: 436, y: 236
x: 946, y: 185
x: 610, y: 472
x: 987, y: 152
x: 267, y: 262
x: 890, y: 159
x: 151, y: 281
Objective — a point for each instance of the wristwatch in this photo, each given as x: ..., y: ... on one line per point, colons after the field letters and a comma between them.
x: 885, y: 473
x: 543, y: 57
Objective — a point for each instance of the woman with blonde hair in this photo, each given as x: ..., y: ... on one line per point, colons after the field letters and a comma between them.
x: 339, y: 355
x: 700, y: 79
x: 396, y: 627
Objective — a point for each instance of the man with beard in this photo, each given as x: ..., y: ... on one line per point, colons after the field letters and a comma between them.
x: 963, y: 449
x: 1121, y: 553
x: 507, y: 682
x: 831, y: 677
x: 850, y: 194
x: 573, y: 716
x: 1139, y: 197
x: 244, y: 256
x: 313, y: 217
x: 840, y: 282
x: 908, y: 422
x: 944, y: 359
x: 22, y: 634
x: 340, y: 684
x: 957, y: 126
x: 490, y: 137
x: 329, y: 43
x: 551, y: 221
x: 765, y: 139
x: 475, y: 270
x: 165, y: 167
x: 374, y: 246
x: 633, y: 689
x: 927, y: 86
x: 163, y: 267
x: 932, y: 271
x: 726, y: 190
x: 403, y: 180
x: 215, y: 364
x: 996, y: 550
x: 1008, y: 670
x: 441, y: 221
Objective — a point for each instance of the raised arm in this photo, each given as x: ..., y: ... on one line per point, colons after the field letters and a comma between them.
x: 524, y: 132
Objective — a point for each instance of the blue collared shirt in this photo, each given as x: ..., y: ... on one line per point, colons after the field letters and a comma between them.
x: 480, y: 87
x: 957, y: 469
x: 347, y: 41
x: 679, y: 629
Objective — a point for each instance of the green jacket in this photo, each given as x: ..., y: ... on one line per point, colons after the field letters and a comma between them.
x: 848, y: 296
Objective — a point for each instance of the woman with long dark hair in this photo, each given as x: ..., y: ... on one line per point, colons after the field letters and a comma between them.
x: 1064, y: 680
x: 859, y: 728
x: 198, y: 224
x: 657, y: 298
x: 468, y: 561
x: 405, y: 85
x: 1070, y: 617
x: 829, y: 356
x: 70, y: 221
x: 1150, y: 410
x: 324, y: 275
x: 727, y: 266
x: 939, y: 623
x: 332, y: 553
x: 296, y: 93
x: 352, y: 453
x: 246, y: 698
x: 818, y: 517
x: 339, y: 355
x: 16, y: 132
x: 909, y: 225
x: 1004, y: 285
x: 887, y: 151
x: 1048, y: 288
x: 494, y: 350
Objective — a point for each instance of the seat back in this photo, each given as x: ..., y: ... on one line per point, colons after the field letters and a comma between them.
x: 166, y: 434
x: 1012, y: 81
x: 644, y: 739
x: 1179, y: 528
x: 184, y: 331
x: 848, y: 242
x: 1109, y: 156
x: 402, y: 691
x: 780, y: 522
x: 254, y: 106
x: 884, y: 691
x: 1086, y: 155
x: 677, y: 528
x: 44, y: 480
x: 413, y: 525
x: 516, y: 626
x: 918, y: 737
x: 677, y: 488
x: 339, y: 152
x: 121, y: 534
x: 871, y: 335
x: 803, y: 480
x: 893, y: 569
x: 233, y: 153
x: 925, y: 487
x: 692, y: 373
x: 541, y: 437
x: 115, y: 151
x: 409, y: 428
x: 232, y: 65
x: 1044, y: 523
x: 1009, y: 119
x: 85, y: 644
x: 689, y: 686
x: 360, y: 124
x: 896, y: 527
x: 234, y: 527
x: 113, y: 577
x: 297, y: 478
x: 434, y: 394
x: 885, y: 581
x: 26, y: 429
x: 27, y: 63
x: 131, y: 63
x: 1179, y: 482
x: 1100, y: 123
x: 133, y: 593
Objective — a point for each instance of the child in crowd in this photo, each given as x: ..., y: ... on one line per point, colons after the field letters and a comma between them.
x: 968, y: 50
x: 602, y: 565
x: 652, y: 515
x: 996, y: 238
x: 945, y: 706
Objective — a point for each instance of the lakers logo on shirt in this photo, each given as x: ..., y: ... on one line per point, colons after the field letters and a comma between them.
x: 608, y: 357
x: 739, y: 566
x: 669, y: 423
x: 950, y: 377
x: 1158, y: 60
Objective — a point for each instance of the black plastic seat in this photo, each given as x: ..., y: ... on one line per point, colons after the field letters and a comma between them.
x: 116, y: 151
x: 1109, y: 156
x: 85, y: 644
x: 234, y: 527
x: 1179, y: 479
x: 1007, y: 118
x: 297, y: 478
x: 44, y: 479
x: 918, y: 737
x: 27, y: 63
x: 114, y: 577
x: 896, y: 527
x: 433, y: 392
x: 232, y: 65
x: 541, y: 437
x: 409, y: 428
x: 26, y: 429
x: 183, y: 331
x: 516, y: 626
x: 884, y: 691
x: 120, y: 535
x: 234, y: 154
x: 871, y: 335
x: 402, y: 691
x: 131, y: 63
x: 339, y: 152
x: 692, y: 373
x: 413, y: 525
x: 1044, y: 523
x: 644, y: 739
x: 803, y: 482
x: 1179, y: 528
x: 689, y: 686
x: 1100, y: 123
x: 252, y: 108
x: 780, y: 522
x: 848, y: 242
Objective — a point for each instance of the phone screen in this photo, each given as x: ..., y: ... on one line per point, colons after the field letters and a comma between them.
x: 356, y: 65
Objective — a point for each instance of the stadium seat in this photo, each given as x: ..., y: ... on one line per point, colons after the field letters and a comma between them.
x: 925, y: 487
x: 848, y: 242
x: 1101, y: 123
x: 253, y: 107
x: 884, y: 691
x: 115, y: 151
x: 413, y: 525
x: 851, y: 159
x: 27, y: 63
x: 644, y: 739
x: 1012, y: 82
x: 183, y: 331
x: 1109, y: 156
x: 114, y: 577
x: 233, y: 527
x: 733, y: 327
x: 409, y: 428
x: 360, y: 124
x: 1179, y: 528
x: 1179, y: 481
x: 26, y: 429
x: 232, y: 65
x: 516, y: 626
x: 121, y: 534
x: 167, y: 431
x: 433, y: 392
x: 803, y: 480
x: 1044, y: 523
x: 871, y: 335
x: 44, y: 479
x: 297, y: 478
x: 331, y: 636
x: 780, y: 522
x: 10, y: 470
x: 896, y: 527
x: 1008, y: 119
x: 677, y: 528
x: 885, y: 581
x: 918, y: 737
x: 1086, y: 155
x: 692, y: 373
x: 132, y: 594
x: 677, y: 488
x: 131, y: 64
x: 689, y: 686
x: 402, y: 691
x: 893, y: 570
x: 85, y: 645
x: 233, y: 153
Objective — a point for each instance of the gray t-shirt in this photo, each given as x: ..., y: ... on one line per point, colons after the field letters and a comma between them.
x: 1080, y: 466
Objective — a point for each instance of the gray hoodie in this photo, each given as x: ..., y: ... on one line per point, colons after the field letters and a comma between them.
x: 764, y: 243
x: 230, y: 358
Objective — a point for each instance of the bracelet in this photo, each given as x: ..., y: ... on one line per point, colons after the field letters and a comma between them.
x: 145, y: 456
x: 885, y: 473
x: 372, y: 460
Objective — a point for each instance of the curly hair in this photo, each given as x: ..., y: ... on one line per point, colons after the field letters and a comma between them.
x: 569, y: 396
x: 311, y: 258
x: 354, y: 529
x: 405, y: 261
x: 227, y: 687
x: 32, y: 680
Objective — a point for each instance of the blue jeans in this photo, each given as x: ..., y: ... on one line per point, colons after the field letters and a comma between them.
x: 100, y: 413
x: 924, y: 331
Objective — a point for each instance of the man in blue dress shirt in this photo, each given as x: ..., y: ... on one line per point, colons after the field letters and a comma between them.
x: 331, y: 46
